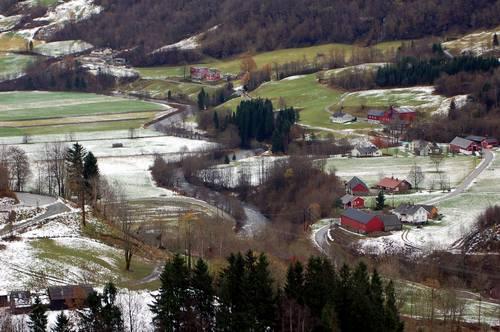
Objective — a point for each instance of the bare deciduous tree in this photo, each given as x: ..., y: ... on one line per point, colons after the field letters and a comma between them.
x: 416, y: 176
x: 19, y: 167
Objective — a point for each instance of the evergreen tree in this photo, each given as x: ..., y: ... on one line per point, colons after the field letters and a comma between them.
x: 392, y: 321
x: 171, y: 304
x: 62, y: 324
x: 232, y: 312
x: 294, y: 287
x: 495, y: 40
x: 90, y: 167
x: 380, y: 201
x: 377, y: 299
x: 363, y: 310
x: 202, y: 99
x: 89, y: 318
x: 169, y: 94
x: 319, y: 285
x: 203, y: 296
x: 38, y: 317
x: 216, y: 121
x: 226, y: 159
x: 111, y: 315
x: 74, y: 165
x: 344, y: 298
x: 277, y: 142
x: 234, y: 157
x: 452, y: 110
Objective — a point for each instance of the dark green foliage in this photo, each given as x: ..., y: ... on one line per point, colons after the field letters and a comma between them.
x: 294, y: 287
x: 234, y: 157
x: 495, y: 40
x: 216, y: 121
x: 411, y: 71
x: 380, y: 201
x: 170, y: 306
x: 226, y: 159
x: 38, y: 317
x: 203, y: 295
x: 392, y: 321
x: 90, y: 167
x: 62, y: 324
x: 102, y: 315
x: 202, y: 99
x: 74, y: 160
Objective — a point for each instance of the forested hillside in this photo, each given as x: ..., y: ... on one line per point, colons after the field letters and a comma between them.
x: 265, y: 25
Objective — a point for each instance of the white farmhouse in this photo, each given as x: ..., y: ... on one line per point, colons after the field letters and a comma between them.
x: 412, y: 214
x: 365, y: 151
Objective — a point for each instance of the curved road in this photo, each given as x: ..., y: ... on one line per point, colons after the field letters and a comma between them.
x: 321, y: 236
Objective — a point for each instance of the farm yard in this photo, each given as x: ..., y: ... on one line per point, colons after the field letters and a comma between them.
x: 38, y: 112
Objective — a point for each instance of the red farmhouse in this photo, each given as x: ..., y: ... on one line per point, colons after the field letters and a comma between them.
x: 356, y: 186
x: 350, y: 201
x: 394, y: 185
x: 361, y: 221
x: 404, y: 114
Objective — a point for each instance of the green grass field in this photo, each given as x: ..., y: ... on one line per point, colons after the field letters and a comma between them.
x: 58, y: 112
x: 232, y: 65
x: 12, y: 64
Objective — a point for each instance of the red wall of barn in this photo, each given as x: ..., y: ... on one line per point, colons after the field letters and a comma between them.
x: 360, y: 188
x: 358, y: 203
x: 375, y: 225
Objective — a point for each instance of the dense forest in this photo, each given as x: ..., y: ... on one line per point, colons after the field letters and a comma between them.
x: 264, y: 25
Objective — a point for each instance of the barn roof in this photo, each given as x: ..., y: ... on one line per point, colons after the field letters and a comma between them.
x: 390, y: 220
x: 376, y: 112
x: 355, y: 181
x: 347, y: 198
x: 69, y: 292
x: 402, y: 110
x: 474, y: 138
x: 358, y: 215
x: 427, y: 208
x: 391, y: 183
x: 408, y: 209
x: 461, y: 142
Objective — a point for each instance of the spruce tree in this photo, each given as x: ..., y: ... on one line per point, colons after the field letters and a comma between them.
x: 362, y: 309
x: 392, y: 320
x: 203, y: 296
x: 111, y: 315
x: 90, y: 167
x: 170, y: 305
x: 377, y: 299
x: 234, y: 157
x: 320, y: 282
x: 232, y: 312
x: 62, y: 324
x: 380, y: 201
x: 495, y: 40
x: 226, y: 159
x: 344, y: 298
x: 38, y: 317
x: 260, y: 293
x: 74, y: 164
x: 202, y: 98
x: 294, y: 287
x: 216, y: 121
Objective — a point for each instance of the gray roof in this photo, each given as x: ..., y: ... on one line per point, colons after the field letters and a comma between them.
x: 428, y: 208
x: 477, y: 139
x: 347, y: 198
x: 461, y: 142
x: 358, y: 215
x: 402, y: 110
x: 355, y: 181
x: 376, y: 112
x: 390, y: 220
x: 408, y: 209
x: 366, y: 150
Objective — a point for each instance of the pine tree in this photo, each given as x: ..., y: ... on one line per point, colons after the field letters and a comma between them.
x: 111, y: 314
x: 363, y: 310
x: 74, y: 165
x: 294, y: 287
x: 216, y: 121
x: 90, y: 167
x: 226, y: 159
x: 277, y: 142
x: 392, y: 321
x: 203, y: 295
x: 62, y: 324
x: 380, y: 201
x: 202, y: 99
x: 232, y: 312
x: 377, y: 299
x: 320, y: 282
x: 344, y: 299
x: 234, y: 157
x: 90, y: 317
x: 495, y: 40
x: 38, y: 317
x: 170, y: 305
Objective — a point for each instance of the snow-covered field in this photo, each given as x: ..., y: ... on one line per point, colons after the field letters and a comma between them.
x: 129, y: 165
x: 189, y: 43
x: 476, y: 43
x: 62, y: 48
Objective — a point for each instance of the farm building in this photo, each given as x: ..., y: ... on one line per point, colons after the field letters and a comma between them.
x: 366, y: 151
x: 393, y: 185
x: 413, y: 214
x: 341, y: 117
x: 484, y: 142
x: 432, y: 211
x: 367, y: 222
x: 463, y: 145
x: 424, y: 148
x: 356, y: 186
x: 20, y: 302
x: 350, y: 201
x: 404, y: 114
x: 205, y: 74
x: 68, y: 297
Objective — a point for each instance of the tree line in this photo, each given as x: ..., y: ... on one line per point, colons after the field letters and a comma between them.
x: 411, y: 71
x: 267, y: 25
x: 245, y: 297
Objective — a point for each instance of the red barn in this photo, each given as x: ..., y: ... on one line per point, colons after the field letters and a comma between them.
x: 484, y: 142
x: 356, y: 186
x: 404, y: 114
x: 361, y: 222
x: 463, y: 145
x: 378, y: 116
x: 205, y: 74
x: 350, y: 201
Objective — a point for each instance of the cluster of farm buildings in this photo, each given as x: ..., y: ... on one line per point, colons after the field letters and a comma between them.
x: 69, y: 297
x: 404, y: 115
x: 360, y: 220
